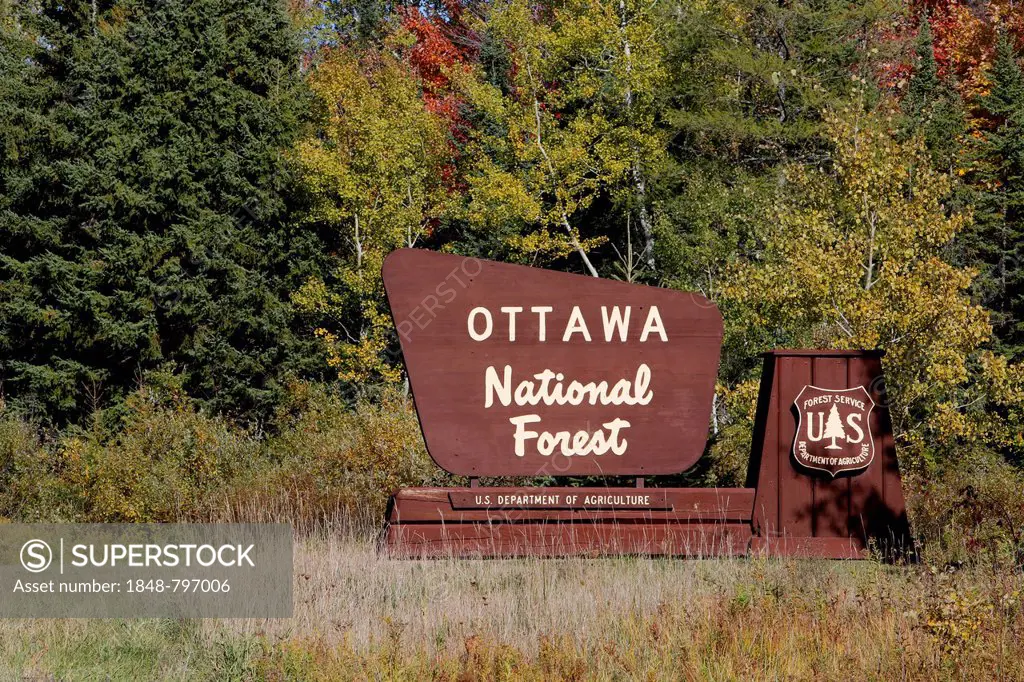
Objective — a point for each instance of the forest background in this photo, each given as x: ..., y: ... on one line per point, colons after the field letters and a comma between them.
x: 196, y: 198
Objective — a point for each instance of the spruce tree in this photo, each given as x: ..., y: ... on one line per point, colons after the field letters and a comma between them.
x: 932, y: 107
x: 998, y: 176
x: 750, y: 80
x: 925, y: 83
x: 142, y: 203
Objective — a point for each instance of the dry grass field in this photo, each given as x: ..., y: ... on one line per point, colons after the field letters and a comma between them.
x: 359, y: 616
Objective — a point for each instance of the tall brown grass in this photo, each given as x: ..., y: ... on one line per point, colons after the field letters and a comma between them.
x: 361, y: 616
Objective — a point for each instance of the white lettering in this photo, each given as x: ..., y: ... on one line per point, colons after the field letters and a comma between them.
x: 615, y: 321
x: 492, y: 383
x: 581, y: 443
x: 471, y: 324
x: 542, y: 327
x: 654, y: 324
x: 853, y: 420
x: 511, y: 312
x: 576, y: 325
x: 549, y: 388
x: 522, y: 434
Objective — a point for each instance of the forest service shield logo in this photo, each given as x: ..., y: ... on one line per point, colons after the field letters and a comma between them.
x: 833, y: 429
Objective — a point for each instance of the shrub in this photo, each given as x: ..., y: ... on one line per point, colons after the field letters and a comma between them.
x: 970, y: 512
x: 159, y: 463
x: 332, y: 460
x: 29, y: 485
x: 160, y: 459
x: 162, y: 464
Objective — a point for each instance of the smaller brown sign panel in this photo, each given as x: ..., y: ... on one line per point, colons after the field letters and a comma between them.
x: 833, y: 432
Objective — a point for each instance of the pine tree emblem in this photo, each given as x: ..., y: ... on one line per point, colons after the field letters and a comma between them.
x: 834, y: 428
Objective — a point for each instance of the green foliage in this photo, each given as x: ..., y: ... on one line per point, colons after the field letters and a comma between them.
x: 925, y: 81
x: 569, y: 127
x: 751, y: 78
x: 996, y: 173
x: 198, y: 197
x: 971, y: 513
x: 932, y: 107
x: 27, y: 472
x: 749, y: 83
x: 159, y: 463
x: 143, y: 203
x: 339, y: 461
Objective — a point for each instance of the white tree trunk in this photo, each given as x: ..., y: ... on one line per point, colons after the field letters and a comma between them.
x: 639, y: 186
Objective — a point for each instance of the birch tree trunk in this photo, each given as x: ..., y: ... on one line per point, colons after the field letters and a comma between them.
x: 639, y: 186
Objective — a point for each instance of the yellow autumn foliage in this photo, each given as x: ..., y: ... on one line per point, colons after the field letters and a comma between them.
x: 856, y: 258
x: 374, y: 170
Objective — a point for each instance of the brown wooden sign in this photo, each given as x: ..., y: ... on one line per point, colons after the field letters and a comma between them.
x: 833, y: 433
x: 442, y: 522
x: 797, y: 508
x: 525, y: 372
x: 518, y: 371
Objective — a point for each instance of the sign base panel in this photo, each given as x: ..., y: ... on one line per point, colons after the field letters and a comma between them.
x: 433, y: 523
x: 480, y: 540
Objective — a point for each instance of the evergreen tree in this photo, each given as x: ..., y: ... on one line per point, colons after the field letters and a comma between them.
x: 925, y: 81
x: 749, y: 81
x: 751, y: 78
x: 998, y: 176
x: 142, y: 203
x: 834, y: 429
x: 933, y: 107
